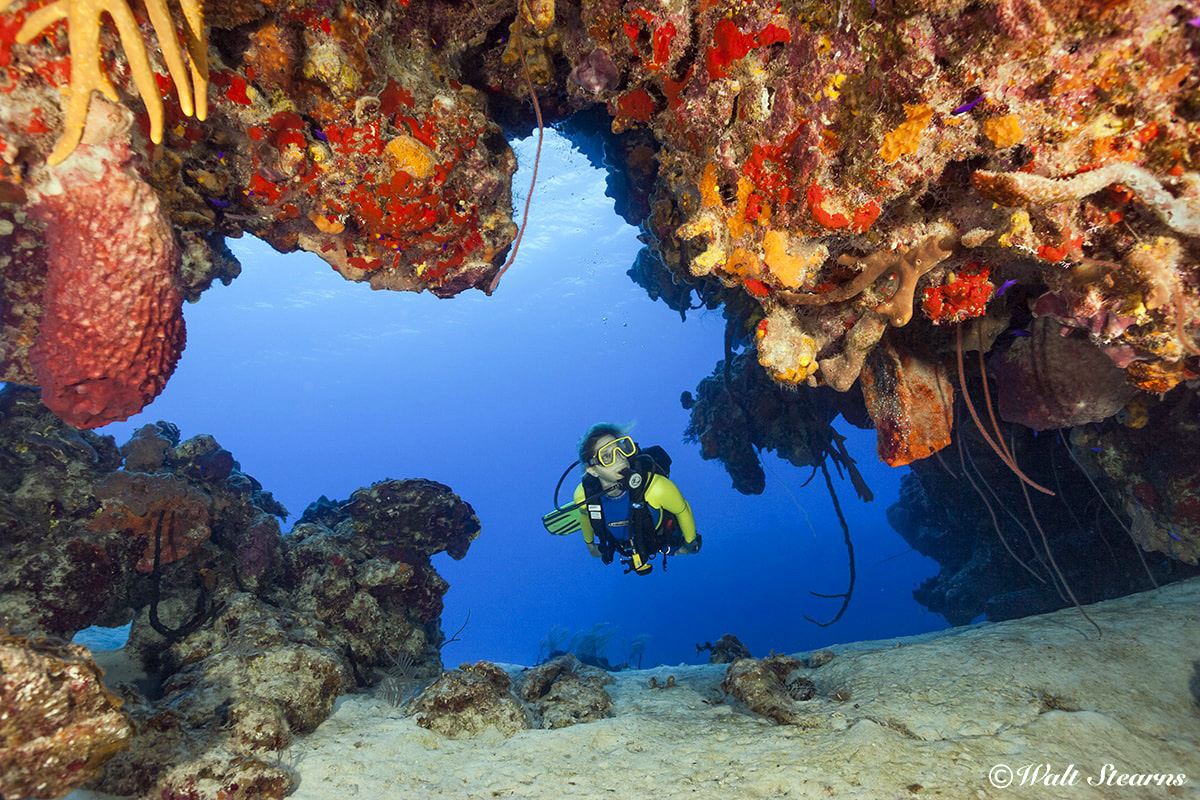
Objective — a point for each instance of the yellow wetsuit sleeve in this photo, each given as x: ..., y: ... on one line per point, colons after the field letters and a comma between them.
x: 584, y: 521
x: 662, y: 493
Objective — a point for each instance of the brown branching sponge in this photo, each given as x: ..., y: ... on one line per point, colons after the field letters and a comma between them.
x: 906, y: 265
x: 1022, y: 189
x: 902, y: 267
x: 83, y: 36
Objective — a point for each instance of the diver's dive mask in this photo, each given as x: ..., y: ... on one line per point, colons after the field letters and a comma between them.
x: 606, y: 456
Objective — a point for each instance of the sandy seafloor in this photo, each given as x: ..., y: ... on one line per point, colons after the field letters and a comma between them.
x: 1042, y: 703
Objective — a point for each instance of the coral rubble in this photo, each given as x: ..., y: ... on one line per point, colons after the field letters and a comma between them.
x: 564, y: 692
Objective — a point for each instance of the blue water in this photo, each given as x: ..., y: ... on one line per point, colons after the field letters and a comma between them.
x: 320, y: 386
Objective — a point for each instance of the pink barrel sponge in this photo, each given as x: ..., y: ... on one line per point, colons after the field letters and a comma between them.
x: 112, y: 323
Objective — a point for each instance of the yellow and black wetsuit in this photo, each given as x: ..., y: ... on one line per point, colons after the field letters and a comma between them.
x: 661, y: 495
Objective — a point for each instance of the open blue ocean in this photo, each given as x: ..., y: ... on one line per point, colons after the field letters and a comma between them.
x: 319, y: 386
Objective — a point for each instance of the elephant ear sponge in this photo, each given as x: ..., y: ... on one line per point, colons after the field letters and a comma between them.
x: 112, y: 326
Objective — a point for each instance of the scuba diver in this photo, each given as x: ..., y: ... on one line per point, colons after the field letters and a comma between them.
x: 625, y: 504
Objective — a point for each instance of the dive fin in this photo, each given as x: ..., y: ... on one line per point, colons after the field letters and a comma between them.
x: 562, y: 521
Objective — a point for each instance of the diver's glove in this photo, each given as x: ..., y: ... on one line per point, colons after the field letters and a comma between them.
x: 687, y: 548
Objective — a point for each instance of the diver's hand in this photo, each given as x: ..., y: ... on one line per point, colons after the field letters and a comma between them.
x: 595, y: 551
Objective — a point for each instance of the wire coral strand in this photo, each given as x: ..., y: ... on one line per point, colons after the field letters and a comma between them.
x: 992, y: 514
x: 1128, y: 532
x: 1058, y: 572
x: 537, y: 111
x: 987, y: 399
x: 1001, y: 453
x: 846, y: 595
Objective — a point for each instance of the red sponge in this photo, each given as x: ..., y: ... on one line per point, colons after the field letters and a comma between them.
x: 112, y: 321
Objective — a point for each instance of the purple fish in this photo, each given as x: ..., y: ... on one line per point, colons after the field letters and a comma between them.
x: 1194, y: 22
x: 968, y: 106
x: 1004, y: 287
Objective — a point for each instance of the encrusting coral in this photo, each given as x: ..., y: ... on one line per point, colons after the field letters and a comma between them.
x: 84, y: 18
x: 59, y: 723
x: 374, y: 143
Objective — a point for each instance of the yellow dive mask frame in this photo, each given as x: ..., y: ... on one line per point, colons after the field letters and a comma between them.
x: 606, y: 456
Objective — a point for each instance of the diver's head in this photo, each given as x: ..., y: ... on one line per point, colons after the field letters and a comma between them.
x: 587, y: 445
x: 605, y: 453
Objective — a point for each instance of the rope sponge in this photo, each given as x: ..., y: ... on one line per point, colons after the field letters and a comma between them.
x: 1013, y: 189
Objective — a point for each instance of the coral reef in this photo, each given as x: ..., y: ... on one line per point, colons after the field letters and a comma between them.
x: 247, y: 636
x: 467, y: 701
x: 56, y: 575
x: 967, y: 511
x: 901, y: 160
x: 233, y: 694
x: 773, y: 687
x: 59, y: 725
x: 363, y: 566
x: 727, y: 650
x: 858, y: 185
x: 341, y: 130
x: 565, y: 692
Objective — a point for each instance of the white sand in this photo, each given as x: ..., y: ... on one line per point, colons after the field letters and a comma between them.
x: 927, y: 717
